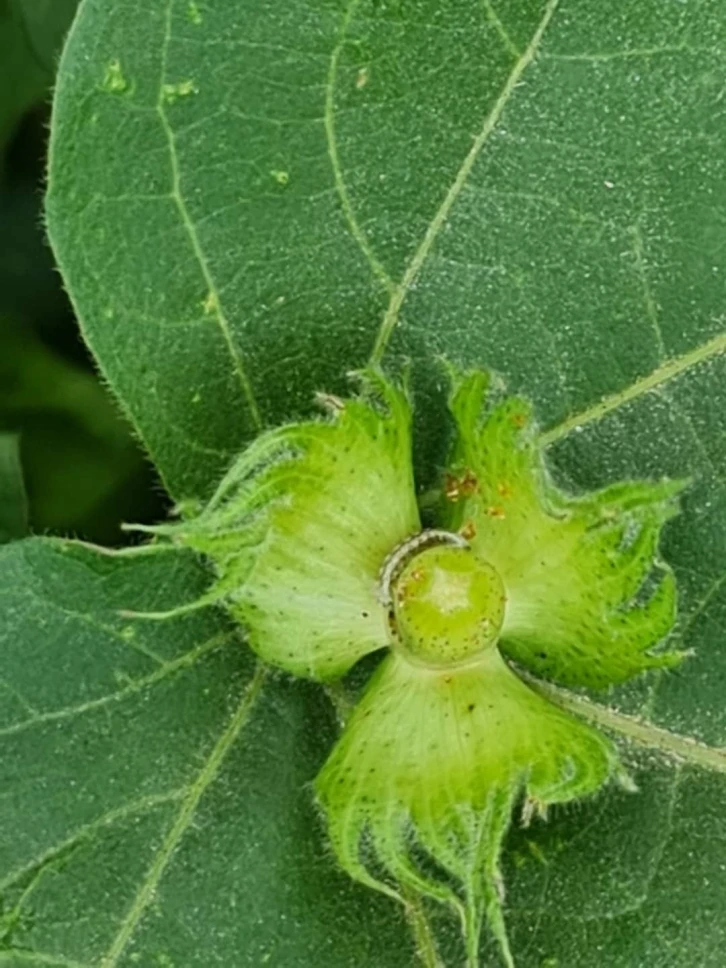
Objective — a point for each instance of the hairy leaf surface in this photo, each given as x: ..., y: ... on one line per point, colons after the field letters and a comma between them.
x: 246, y: 201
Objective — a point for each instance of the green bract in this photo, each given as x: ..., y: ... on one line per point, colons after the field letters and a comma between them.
x: 319, y: 553
x: 574, y: 569
x: 300, y: 525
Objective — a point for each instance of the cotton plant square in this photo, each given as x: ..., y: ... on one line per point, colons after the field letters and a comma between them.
x: 319, y: 553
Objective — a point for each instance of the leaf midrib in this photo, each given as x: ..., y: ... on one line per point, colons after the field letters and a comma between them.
x: 668, y: 371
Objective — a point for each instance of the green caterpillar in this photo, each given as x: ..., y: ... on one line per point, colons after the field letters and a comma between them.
x: 319, y: 553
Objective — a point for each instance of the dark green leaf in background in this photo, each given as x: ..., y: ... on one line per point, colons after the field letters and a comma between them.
x: 31, y: 32
x: 248, y: 200
x: 13, y: 500
x: 82, y: 468
x: 23, y: 79
x: 44, y: 24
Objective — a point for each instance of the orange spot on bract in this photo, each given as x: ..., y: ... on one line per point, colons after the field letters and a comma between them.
x: 468, y: 531
x: 456, y: 488
x: 504, y: 490
x: 451, y: 487
x: 495, y: 511
x: 519, y: 419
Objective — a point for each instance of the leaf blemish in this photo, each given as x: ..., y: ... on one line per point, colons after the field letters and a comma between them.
x: 114, y: 81
x: 181, y: 89
x: 194, y: 14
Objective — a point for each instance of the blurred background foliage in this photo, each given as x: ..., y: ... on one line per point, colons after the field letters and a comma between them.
x: 69, y: 463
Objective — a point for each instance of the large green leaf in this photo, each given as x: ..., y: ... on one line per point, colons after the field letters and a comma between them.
x: 246, y: 200
x: 155, y: 807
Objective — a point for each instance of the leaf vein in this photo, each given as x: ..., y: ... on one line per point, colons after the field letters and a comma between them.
x: 659, y: 853
x: 496, y: 22
x: 213, y: 299
x: 658, y: 377
x: 184, y: 818
x: 70, y: 712
x: 13, y: 955
x: 341, y: 188
x: 713, y: 590
x: 687, y: 421
x: 685, y: 749
x: 666, y: 50
x: 62, y: 849
x: 651, y: 308
x: 401, y: 290
x: 17, y: 695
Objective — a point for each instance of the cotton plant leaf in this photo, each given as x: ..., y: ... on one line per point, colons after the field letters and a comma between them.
x: 246, y: 202
x: 135, y: 744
